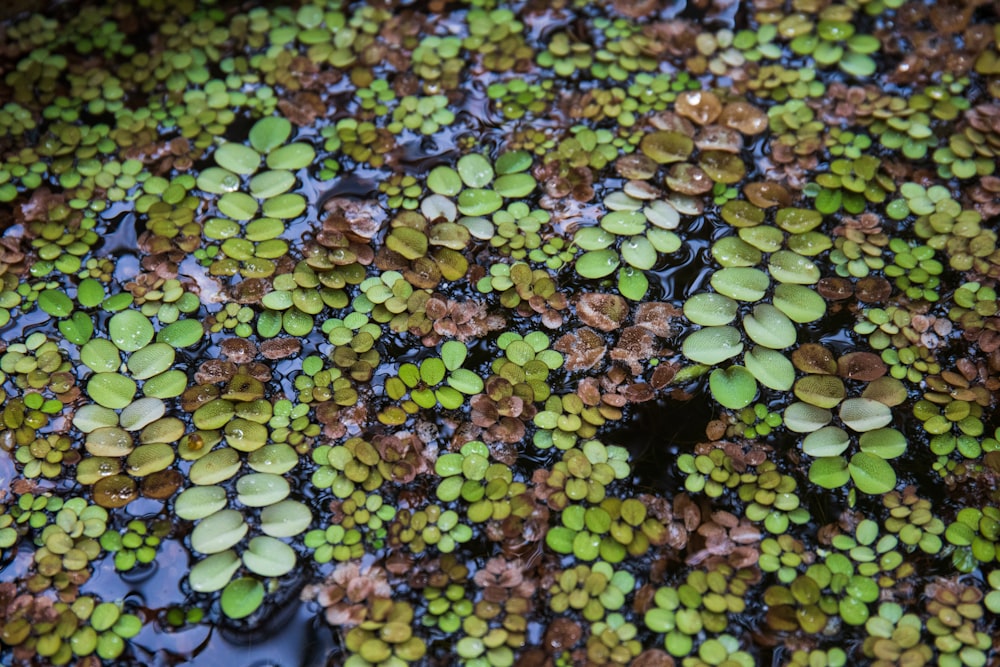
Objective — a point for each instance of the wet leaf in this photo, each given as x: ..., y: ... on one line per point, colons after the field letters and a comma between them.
x: 885, y: 443
x: 237, y: 158
x: 78, y: 329
x: 827, y: 441
x: 871, y: 474
x: 475, y: 171
x: 269, y: 133
x: 199, y: 502
x: 218, y: 532
x: 632, y: 283
x: 865, y: 414
x: 291, y: 157
x: 55, y: 303
x: 111, y: 390
x: 804, y: 418
x: 771, y: 368
x: 768, y: 326
x: 269, y: 557
x: 665, y: 146
x: 710, y: 309
x: 130, y: 330
x: 742, y: 284
x: 597, y: 263
x: 182, y: 333
x: 444, y: 181
x: 712, y: 345
x: 214, y: 572
x: 261, y: 489
x: 241, y: 597
x: 285, y: 519
x: 733, y: 387
x: 151, y: 360
x: 830, y: 473
x: 218, y: 181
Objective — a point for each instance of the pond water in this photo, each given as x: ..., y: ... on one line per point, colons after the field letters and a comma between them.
x: 533, y: 333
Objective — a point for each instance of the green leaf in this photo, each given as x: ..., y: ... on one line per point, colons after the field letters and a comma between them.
x: 479, y: 202
x: 182, y: 333
x: 512, y: 162
x: 269, y: 133
x: 638, y: 252
x: 624, y: 223
x: 733, y: 387
x: 799, y: 303
x: 242, y: 597
x: 865, y: 414
x: 466, y: 381
x: 141, y: 413
x: 802, y: 417
x: 55, y: 303
x: 409, y: 374
x: 111, y: 390
x: 130, y: 330
x: 826, y: 442
x: 261, y: 489
x: 593, y: 238
x: 291, y: 157
x: 90, y: 293
x: 432, y: 371
x: 218, y: 532
x: 664, y: 241
x: 166, y: 385
x: 199, y: 502
x: 218, y: 181
x: 830, y: 473
x: 857, y: 64
x: 237, y: 158
x: 151, y: 360
x: 101, y: 356
x: 771, y: 368
x: 213, y: 573
x: 269, y: 557
x: 885, y: 443
x: 768, y: 326
x: 475, y: 170
x: 712, y: 345
x: 238, y: 205
x: 597, y: 263
x: 632, y: 283
x: 285, y: 207
x: 444, y: 181
x: 515, y: 186
x: 77, y: 329
x: 741, y: 283
x: 453, y: 354
x: 560, y: 539
x: 798, y: 220
x: 710, y: 309
x: 271, y: 183
x: 285, y: 519
x: 786, y: 266
x: 872, y: 474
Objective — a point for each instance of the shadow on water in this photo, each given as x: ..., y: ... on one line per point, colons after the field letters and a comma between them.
x: 656, y: 432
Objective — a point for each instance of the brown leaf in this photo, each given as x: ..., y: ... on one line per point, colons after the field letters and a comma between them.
x: 280, y: 348
x: 605, y: 312
x: 863, y: 366
x: 584, y: 349
x: 656, y: 317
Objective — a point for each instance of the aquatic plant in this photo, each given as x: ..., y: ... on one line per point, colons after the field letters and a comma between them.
x: 531, y: 333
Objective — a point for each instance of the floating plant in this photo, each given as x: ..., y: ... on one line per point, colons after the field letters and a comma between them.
x: 502, y: 335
